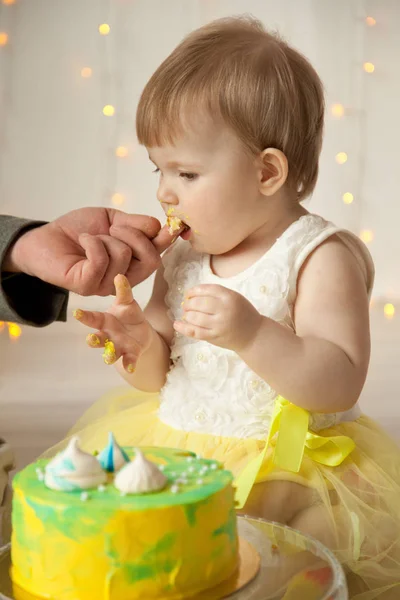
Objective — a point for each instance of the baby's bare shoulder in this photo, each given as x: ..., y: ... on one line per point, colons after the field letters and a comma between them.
x: 333, y: 253
x: 332, y: 300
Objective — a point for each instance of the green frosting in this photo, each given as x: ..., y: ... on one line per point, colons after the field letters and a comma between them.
x: 192, y: 481
x: 192, y: 484
x: 147, y: 568
x: 229, y: 528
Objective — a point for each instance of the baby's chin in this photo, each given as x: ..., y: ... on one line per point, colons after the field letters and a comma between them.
x: 186, y: 234
x: 207, y: 245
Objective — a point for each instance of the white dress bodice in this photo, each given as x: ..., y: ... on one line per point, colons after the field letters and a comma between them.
x: 210, y: 389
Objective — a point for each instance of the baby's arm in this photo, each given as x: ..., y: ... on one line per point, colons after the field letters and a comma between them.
x: 140, y: 339
x: 323, y: 366
x: 153, y: 364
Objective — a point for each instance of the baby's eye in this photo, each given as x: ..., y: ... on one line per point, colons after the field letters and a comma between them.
x: 156, y: 170
x: 188, y: 176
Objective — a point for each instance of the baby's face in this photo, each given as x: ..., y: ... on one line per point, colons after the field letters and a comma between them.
x: 209, y: 182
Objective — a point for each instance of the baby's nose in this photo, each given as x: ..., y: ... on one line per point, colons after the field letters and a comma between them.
x: 166, y: 195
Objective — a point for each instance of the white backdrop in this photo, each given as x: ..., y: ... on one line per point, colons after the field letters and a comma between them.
x: 58, y: 149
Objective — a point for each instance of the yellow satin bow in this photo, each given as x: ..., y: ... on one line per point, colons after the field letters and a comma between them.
x: 290, y: 423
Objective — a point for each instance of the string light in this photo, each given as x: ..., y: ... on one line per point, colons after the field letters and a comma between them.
x: 3, y: 38
x: 348, y: 198
x: 337, y: 110
x: 341, y: 158
x: 104, y: 29
x: 117, y: 199
x: 369, y: 67
x: 366, y: 236
x: 121, y: 152
x: 86, y: 72
x: 14, y: 331
x: 111, y: 83
x: 389, y: 311
x: 108, y: 110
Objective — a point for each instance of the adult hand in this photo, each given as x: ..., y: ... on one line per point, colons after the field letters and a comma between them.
x: 85, y: 249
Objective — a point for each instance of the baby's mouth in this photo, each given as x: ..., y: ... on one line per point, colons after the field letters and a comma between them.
x: 176, y: 226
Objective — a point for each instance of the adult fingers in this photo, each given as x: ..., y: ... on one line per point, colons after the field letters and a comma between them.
x: 119, y: 260
x: 150, y: 226
x: 88, y: 271
x: 145, y: 259
x: 163, y: 240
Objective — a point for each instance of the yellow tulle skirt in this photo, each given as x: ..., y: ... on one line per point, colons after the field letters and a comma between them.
x: 364, y: 518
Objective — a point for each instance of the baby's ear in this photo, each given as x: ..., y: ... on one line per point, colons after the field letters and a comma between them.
x: 273, y: 171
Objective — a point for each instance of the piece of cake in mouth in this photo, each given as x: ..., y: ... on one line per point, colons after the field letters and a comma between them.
x: 175, y: 224
x: 124, y: 524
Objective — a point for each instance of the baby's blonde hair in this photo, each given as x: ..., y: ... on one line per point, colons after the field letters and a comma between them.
x: 264, y: 90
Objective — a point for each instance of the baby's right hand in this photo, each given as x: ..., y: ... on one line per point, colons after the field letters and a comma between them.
x: 123, y: 330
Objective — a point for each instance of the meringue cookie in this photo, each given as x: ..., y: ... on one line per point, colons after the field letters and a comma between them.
x: 74, y: 469
x: 112, y: 457
x: 140, y: 476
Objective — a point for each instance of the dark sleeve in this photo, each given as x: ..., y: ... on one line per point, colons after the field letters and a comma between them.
x: 23, y: 298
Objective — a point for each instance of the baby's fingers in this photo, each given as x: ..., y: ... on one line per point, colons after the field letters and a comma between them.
x: 111, y: 336
x: 110, y: 354
x: 123, y: 290
x: 96, y: 340
x: 100, y: 340
x: 90, y: 318
x: 129, y: 362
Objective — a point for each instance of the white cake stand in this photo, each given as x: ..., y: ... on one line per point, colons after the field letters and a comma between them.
x: 293, y: 566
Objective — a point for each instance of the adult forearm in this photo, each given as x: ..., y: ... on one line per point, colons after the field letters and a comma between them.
x: 151, y: 368
x: 23, y: 298
x: 312, y: 373
x: 19, y: 252
x: 10, y: 262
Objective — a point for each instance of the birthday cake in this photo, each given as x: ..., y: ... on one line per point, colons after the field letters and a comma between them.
x: 125, y: 524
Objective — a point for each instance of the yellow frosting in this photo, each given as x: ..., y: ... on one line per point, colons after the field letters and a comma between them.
x: 173, y: 224
x: 171, y: 544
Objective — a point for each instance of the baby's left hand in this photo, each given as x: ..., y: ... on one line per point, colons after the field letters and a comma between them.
x: 219, y: 316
